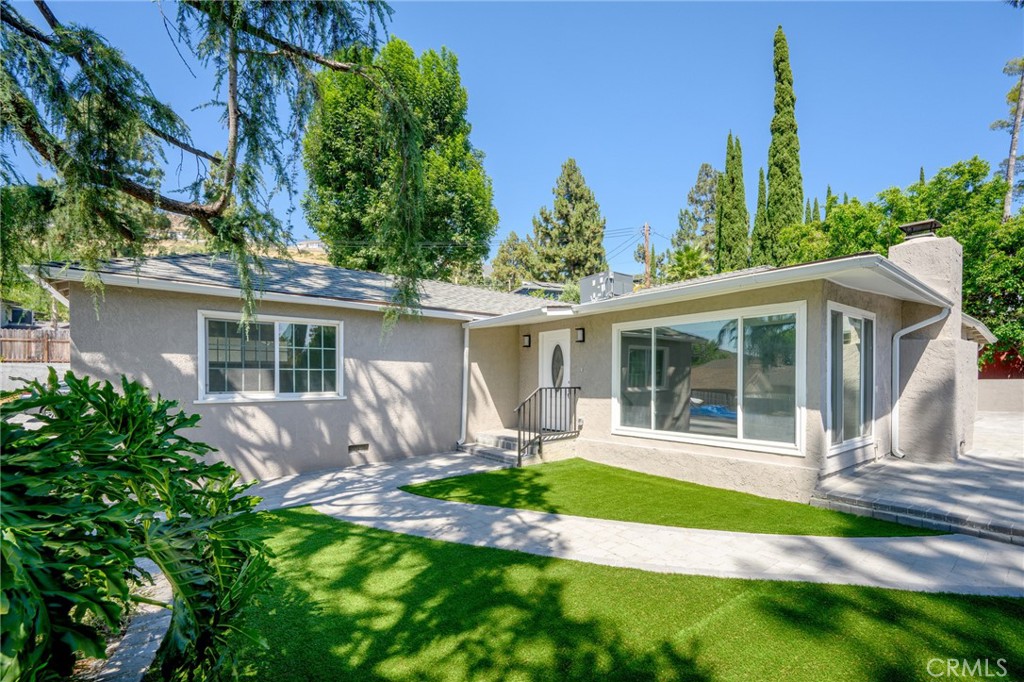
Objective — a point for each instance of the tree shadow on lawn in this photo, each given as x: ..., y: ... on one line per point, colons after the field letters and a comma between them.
x: 513, y: 488
x: 355, y: 603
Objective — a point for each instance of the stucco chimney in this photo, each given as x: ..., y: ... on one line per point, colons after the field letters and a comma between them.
x: 936, y: 261
x: 938, y: 370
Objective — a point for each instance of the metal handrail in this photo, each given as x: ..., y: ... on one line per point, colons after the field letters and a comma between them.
x: 548, y: 412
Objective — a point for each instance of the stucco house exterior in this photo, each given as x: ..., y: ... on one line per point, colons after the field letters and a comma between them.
x: 763, y: 380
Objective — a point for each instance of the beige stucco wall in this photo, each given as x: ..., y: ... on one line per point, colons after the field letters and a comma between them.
x: 403, y: 390
x: 1001, y: 395
x: 493, y: 380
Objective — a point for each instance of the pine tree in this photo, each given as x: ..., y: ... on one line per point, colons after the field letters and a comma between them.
x: 569, y: 238
x: 734, y: 219
x: 760, y: 240
x: 697, y: 220
x: 785, y: 183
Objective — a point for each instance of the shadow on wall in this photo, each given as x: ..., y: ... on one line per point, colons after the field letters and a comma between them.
x: 399, y: 409
x: 355, y: 603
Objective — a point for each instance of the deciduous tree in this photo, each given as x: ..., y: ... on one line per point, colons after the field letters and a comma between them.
x: 351, y: 170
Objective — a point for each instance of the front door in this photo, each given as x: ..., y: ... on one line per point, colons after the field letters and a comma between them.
x: 554, y: 373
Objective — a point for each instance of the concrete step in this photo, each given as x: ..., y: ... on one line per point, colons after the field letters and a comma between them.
x: 502, y: 441
x: 888, y: 510
x: 501, y: 455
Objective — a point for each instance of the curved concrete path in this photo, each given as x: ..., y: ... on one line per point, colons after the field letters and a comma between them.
x: 369, y: 495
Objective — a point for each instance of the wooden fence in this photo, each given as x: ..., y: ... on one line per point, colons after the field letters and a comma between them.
x: 35, y: 345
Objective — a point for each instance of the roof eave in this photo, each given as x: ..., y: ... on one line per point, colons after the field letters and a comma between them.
x: 916, y: 290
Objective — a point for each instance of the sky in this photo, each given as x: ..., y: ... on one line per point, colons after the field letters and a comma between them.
x: 641, y: 94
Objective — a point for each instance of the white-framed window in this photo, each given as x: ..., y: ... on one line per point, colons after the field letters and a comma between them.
x: 851, y: 376
x: 733, y: 377
x: 273, y: 358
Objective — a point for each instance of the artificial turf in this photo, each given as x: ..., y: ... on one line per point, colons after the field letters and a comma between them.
x: 354, y: 603
x: 583, y: 488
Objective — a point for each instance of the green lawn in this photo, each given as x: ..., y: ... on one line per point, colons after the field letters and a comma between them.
x: 353, y: 603
x: 583, y: 488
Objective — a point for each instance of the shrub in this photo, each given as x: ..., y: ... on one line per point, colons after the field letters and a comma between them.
x: 94, y: 479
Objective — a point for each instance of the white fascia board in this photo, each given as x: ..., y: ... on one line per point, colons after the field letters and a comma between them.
x: 782, y: 276
x: 110, y: 279
x: 535, y: 316
x: 979, y: 326
x: 913, y: 288
x: 59, y: 297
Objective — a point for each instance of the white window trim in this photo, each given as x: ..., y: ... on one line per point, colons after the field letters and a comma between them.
x: 857, y: 441
x: 797, y: 308
x: 248, y: 398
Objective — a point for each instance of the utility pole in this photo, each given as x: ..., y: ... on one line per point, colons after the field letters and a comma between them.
x: 647, y: 256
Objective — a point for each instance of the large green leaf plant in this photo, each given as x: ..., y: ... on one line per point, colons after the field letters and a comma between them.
x: 94, y: 479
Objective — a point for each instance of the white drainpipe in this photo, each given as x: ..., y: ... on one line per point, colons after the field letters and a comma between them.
x: 465, y: 385
x: 894, y: 419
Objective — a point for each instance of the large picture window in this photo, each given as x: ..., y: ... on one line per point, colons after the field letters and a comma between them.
x: 851, y: 374
x: 728, y: 376
x: 284, y: 358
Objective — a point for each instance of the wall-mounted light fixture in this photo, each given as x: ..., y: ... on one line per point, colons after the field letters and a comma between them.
x: 526, y: 340
x: 581, y: 334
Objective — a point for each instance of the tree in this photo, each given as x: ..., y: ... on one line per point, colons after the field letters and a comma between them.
x: 968, y: 201
x: 350, y: 168
x: 1014, y: 98
x: 514, y: 262
x: 816, y: 212
x: 733, y: 220
x: 82, y: 110
x: 807, y: 211
x: 686, y: 263
x: 697, y: 220
x: 569, y: 237
x: 761, y: 246
x: 785, y: 183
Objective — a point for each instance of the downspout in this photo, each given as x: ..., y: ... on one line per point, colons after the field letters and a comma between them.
x: 894, y: 418
x: 465, y: 386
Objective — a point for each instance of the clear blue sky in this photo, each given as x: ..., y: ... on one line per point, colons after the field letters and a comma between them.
x: 642, y: 93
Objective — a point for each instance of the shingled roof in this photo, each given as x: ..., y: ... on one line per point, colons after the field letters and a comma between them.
x: 293, y: 278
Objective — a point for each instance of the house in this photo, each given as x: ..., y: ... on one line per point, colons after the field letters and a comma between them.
x: 762, y: 380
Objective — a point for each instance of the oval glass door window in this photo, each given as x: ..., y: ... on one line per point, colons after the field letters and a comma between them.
x: 557, y: 366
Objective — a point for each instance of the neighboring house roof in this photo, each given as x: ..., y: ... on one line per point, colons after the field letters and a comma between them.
x: 867, y: 272
x: 295, y: 282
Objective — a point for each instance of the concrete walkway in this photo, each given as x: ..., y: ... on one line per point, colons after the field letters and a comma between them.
x: 369, y: 496
x: 982, y: 493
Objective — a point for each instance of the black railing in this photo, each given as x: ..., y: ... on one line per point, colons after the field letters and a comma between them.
x: 548, y: 413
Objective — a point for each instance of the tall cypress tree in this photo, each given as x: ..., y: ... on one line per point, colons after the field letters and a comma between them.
x: 569, y: 238
x: 816, y: 211
x: 785, y: 183
x: 732, y: 251
x: 760, y: 239
x: 807, y: 212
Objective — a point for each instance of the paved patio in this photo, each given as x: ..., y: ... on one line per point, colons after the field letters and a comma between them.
x: 369, y: 496
x: 981, y: 493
